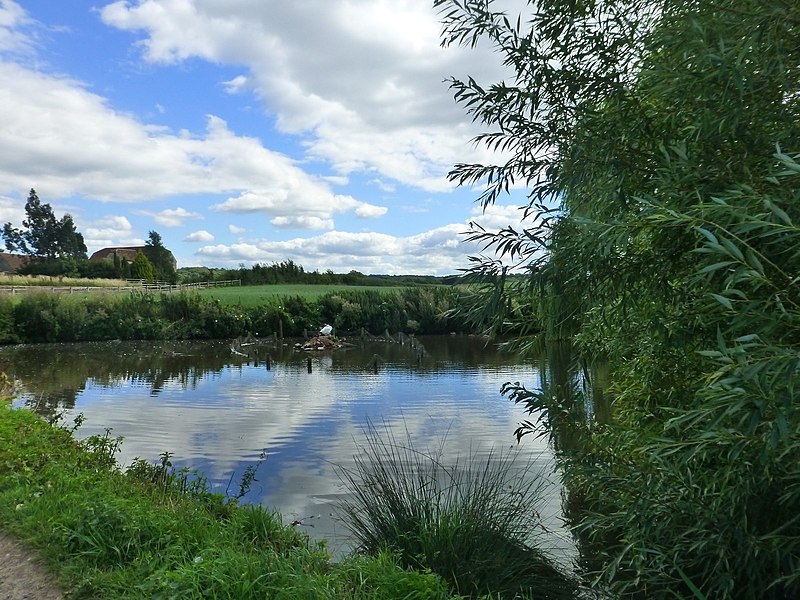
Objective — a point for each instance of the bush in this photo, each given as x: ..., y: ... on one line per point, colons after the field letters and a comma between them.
x: 7, y: 333
x: 35, y: 317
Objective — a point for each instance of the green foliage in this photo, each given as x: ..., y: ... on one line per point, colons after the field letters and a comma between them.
x: 8, y: 335
x: 44, y: 236
x: 469, y: 524
x: 110, y: 534
x: 142, y: 268
x: 35, y: 317
x: 662, y: 240
x: 49, y: 317
x: 161, y: 259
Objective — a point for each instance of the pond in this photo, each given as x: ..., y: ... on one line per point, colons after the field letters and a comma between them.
x: 220, y: 407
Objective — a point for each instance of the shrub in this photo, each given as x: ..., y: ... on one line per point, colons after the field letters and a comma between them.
x: 35, y: 317
x: 7, y: 333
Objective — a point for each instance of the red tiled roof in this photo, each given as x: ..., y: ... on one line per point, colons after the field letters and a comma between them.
x: 11, y: 263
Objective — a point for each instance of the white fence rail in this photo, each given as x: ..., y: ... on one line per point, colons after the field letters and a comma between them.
x: 138, y: 286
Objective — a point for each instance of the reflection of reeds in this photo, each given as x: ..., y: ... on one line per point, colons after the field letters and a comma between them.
x: 474, y: 522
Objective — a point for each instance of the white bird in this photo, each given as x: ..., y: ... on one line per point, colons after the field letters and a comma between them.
x: 326, y: 330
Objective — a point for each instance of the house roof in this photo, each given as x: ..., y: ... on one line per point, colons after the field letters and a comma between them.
x: 11, y: 263
x: 127, y: 252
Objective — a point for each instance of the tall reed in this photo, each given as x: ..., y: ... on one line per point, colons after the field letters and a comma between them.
x: 473, y: 521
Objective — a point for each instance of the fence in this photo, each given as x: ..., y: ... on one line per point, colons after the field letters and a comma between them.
x: 138, y: 286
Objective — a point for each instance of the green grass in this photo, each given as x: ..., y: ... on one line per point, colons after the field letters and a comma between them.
x: 153, y: 533
x: 254, y: 295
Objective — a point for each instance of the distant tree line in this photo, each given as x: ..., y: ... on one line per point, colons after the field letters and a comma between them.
x: 290, y: 272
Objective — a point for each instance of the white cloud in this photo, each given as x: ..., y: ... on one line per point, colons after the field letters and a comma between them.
x: 235, y: 85
x: 438, y: 251
x: 14, y: 35
x: 368, y: 211
x: 384, y: 186
x: 498, y: 216
x: 199, y: 236
x: 302, y: 222
x: 441, y: 251
x: 11, y: 210
x: 172, y: 217
x: 300, y: 203
x: 362, y: 80
x: 357, y: 85
x: 67, y: 139
x: 110, y: 231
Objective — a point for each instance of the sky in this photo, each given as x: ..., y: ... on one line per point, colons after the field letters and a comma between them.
x: 245, y: 131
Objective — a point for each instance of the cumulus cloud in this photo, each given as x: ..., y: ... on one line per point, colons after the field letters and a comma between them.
x: 110, y: 230
x: 11, y: 210
x: 302, y: 222
x: 15, y: 30
x: 235, y: 85
x: 172, y: 217
x: 199, y: 236
x: 441, y: 250
x: 368, y: 211
x: 356, y: 86
x: 437, y: 251
x: 300, y: 203
x: 497, y: 216
x: 67, y: 139
x: 321, y: 68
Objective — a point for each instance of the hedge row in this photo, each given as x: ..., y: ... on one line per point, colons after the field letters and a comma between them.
x: 46, y: 317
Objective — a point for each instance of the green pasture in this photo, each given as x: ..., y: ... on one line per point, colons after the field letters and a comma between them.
x: 254, y: 295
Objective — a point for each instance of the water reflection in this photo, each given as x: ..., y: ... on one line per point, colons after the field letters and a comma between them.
x: 217, y: 410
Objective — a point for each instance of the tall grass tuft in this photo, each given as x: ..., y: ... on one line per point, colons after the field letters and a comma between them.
x: 473, y: 522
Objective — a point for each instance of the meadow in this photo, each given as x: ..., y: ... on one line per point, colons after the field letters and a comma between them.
x: 254, y: 295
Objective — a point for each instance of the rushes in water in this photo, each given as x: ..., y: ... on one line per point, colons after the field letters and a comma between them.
x: 474, y: 522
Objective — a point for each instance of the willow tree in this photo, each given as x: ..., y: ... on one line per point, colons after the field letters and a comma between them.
x: 658, y: 142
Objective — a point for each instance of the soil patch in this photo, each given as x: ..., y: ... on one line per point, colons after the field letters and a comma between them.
x: 22, y: 575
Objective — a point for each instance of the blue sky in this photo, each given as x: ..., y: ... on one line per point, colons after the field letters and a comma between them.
x: 244, y: 131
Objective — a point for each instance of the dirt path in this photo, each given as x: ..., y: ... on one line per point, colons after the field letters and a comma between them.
x: 22, y: 576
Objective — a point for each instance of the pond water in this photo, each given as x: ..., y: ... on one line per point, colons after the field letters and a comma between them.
x: 218, y: 406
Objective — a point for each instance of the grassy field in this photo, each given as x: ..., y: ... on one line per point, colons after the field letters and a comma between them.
x: 258, y: 294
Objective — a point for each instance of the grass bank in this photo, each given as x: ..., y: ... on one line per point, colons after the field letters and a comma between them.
x: 149, y: 532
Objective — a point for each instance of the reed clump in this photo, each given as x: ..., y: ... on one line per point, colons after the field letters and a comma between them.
x: 473, y: 522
